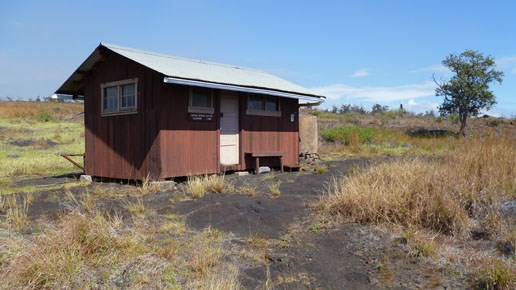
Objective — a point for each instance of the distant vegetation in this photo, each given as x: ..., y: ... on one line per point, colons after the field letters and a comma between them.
x: 34, y: 134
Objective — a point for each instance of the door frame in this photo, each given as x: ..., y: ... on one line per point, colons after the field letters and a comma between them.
x: 225, y: 95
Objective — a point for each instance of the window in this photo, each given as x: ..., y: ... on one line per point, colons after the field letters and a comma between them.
x: 201, y: 100
x: 258, y: 104
x: 119, y: 97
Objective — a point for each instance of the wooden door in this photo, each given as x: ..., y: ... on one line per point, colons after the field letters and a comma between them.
x: 229, y: 131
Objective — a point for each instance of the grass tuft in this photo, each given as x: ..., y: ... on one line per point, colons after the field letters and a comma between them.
x: 275, y: 189
x: 496, y: 275
x: 198, y: 186
x: 136, y: 208
x: 148, y: 186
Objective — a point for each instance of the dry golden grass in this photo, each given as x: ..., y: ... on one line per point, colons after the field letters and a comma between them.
x: 31, y: 109
x: 206, y: 254
x: 249, y: 189
x: 136, y: 207
x: 15, y: 211
x: 274, y: 188
x: 496, y: 274
x: 148, y: 185
x: 440, y: 194
x: 225, y: 280
x: 63, y: 256
x: 91, y: 250
x: 198, y: 186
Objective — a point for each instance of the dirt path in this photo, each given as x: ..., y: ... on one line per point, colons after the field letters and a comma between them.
x: 304, y: 258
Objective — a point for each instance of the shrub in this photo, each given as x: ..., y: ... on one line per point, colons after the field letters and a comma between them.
x: 349, y: 118
x: 454, y: 119
x: 43, y: 116
x: 494, y: 122
x: 347, y: 133
x: 316, y: 113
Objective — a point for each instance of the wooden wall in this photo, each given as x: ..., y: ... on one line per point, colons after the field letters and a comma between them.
x: 123, y: 146
x: 187, y: 147
x: 265, y: 134
x: 192, y: 147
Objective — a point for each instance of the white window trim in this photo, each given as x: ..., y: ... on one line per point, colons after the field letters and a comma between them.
x: 192, y: 109
x: 263, y: 112
x: 119, y: 110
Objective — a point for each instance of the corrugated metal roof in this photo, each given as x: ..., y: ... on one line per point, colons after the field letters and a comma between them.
x: 196, y: 70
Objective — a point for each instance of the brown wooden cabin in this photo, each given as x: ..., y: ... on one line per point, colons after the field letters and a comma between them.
x: 148, y: 114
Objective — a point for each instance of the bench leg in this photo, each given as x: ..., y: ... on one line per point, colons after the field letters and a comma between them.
x: 257, y: 161
x: 281, y: 163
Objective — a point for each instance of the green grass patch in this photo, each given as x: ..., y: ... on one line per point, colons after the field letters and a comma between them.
x: 350, y: 134
x: 32, y: 148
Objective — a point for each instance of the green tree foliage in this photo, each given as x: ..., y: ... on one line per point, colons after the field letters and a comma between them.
x: 467, y: 92
x: 378, y: 109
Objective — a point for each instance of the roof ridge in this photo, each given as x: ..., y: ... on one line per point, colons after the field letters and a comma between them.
x: 114, y: 46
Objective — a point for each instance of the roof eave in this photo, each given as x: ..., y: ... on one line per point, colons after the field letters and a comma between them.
x: 73, y: 85
x: 229, y: 87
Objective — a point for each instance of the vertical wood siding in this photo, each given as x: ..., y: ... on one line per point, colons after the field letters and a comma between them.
x: 123, y: 146
x: 266, y: 134
x: 187, y: 147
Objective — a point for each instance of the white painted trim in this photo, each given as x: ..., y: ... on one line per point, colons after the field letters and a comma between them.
x: 172, y: 80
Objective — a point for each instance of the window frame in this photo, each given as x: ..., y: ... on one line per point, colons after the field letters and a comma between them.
x: 119, y: 110
x: 263, y: 111
x: 205, y: 110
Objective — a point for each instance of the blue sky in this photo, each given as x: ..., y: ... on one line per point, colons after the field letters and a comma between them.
x: 360, y: 52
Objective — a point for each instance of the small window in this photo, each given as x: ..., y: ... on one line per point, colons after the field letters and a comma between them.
x: 255, y: 102
x: 258, y: 104
x: 271, y: 104
x: 201, y: 100
x: 119, y: 97
x: 128, y: 96
x: 110, y: 99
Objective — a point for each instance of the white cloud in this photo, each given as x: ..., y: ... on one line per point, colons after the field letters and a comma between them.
x: 378, y: 94
x: 420, y: 107
x: 506, y: 61
x: 360, y: 73
x: 431, y: 68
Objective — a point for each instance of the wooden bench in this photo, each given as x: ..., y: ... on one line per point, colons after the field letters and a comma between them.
x: 256, y: 156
